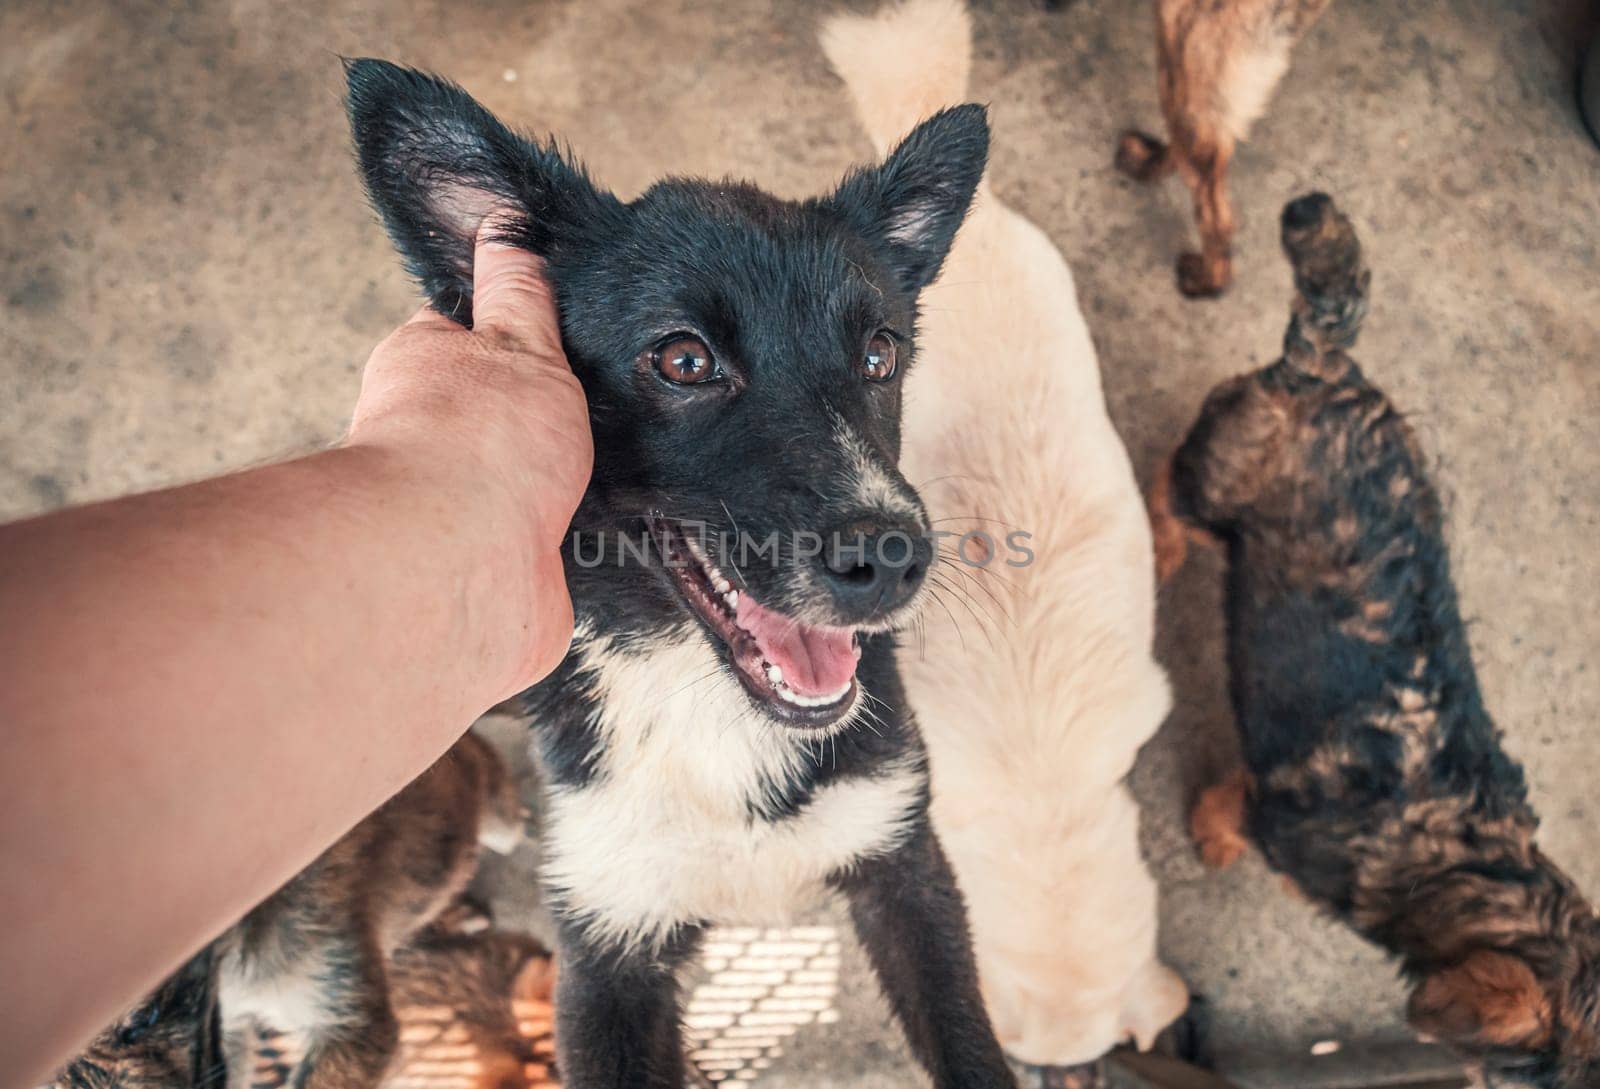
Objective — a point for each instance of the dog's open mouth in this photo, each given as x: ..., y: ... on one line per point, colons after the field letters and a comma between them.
x: 803, y: 674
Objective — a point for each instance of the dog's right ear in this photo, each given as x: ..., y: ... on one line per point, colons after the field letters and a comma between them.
x: 1487, y: 1000
x: 915, y: 200
x: 436, y: 164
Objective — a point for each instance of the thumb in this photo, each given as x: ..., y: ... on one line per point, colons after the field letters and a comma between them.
x: 510, y: 292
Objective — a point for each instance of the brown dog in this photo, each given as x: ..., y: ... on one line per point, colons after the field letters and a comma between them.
x: 1218, y: 62
x: 1377, y: 780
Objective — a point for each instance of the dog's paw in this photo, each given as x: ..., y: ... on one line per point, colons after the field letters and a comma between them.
x: 1141, y: 156
x: 1169, y: 541
x: 1197, y: 281
x: 1221, y: 851
x: 1171, y: 545
x: 1217, y: 822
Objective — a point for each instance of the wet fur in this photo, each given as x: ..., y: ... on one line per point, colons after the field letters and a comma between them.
x: 1380, y: 783
x: 1035, y: 686
x: 672, y: 800
x: 1218, y: 62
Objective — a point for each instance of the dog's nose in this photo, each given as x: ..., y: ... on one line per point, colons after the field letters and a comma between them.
x: 872, y: 569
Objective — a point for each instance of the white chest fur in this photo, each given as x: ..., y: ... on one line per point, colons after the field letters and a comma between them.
x: 665, y: 834
x: 290, y: 1000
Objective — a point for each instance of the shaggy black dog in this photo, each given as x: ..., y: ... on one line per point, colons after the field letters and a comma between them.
x: 1377, y: 781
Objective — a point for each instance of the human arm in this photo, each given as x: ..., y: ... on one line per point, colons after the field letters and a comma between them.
x: 201, y: 688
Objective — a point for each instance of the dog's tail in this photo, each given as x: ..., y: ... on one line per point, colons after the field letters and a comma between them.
x: 902, y: 64
x: 1330, y: 280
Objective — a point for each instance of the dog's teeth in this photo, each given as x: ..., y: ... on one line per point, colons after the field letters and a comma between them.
x: 774, y: 674
x: 732, y: 598
x: 721, y: 584
x: 788, y: 695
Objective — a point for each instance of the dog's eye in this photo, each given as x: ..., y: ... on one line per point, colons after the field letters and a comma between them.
x: 685, y: 360
x: 878, y: 360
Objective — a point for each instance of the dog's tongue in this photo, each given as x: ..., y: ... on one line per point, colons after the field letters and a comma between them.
x: 815, y: 661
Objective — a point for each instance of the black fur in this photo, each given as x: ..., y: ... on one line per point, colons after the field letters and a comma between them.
x: 1381, y: 785
x: 786, y: 295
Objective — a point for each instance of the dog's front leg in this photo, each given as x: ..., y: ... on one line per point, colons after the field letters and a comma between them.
x: 617, y: 1013
x: 911, y: 919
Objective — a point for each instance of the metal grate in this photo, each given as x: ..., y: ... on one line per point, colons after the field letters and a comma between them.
x: 760, y: 987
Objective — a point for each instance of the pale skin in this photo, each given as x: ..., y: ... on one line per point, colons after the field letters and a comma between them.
x: 202, y: 688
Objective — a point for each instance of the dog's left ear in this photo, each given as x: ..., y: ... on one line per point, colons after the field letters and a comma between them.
x: 913, y: 203
x: 436, y: 164
x: 1488, y: 999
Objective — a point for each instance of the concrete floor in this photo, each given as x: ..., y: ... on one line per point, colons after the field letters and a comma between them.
x: 191, y: 282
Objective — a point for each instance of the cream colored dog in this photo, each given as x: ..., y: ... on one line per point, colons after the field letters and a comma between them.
x: 1034, y: 684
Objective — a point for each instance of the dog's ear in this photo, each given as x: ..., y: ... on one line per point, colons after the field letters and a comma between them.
x: 436, y: 164
x: 913, y: 203
x: 1489, y: 999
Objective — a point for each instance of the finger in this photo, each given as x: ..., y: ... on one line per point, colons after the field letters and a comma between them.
x: 510, y: 291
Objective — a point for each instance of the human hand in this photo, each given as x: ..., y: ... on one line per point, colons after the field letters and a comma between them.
x: 495, y: 416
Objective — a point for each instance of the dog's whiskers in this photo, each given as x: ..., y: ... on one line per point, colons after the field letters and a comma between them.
x: 870, y: 717
x: 877, y: 700
x: 956, y: 560
x: 982, y: 620
x: 740, y: 533
x: 972, y: 580
x: 683, y: 688
x: 924, y: 485
x: 960, y: 635
x: 973, y: 518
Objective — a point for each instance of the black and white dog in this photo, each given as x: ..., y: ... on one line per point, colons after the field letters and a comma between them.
x: 727, y: 737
